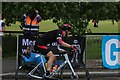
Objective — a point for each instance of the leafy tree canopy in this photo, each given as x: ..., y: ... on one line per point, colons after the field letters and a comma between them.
x: 76, y: 13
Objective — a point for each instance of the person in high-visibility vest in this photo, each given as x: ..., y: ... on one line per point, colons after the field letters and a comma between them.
x: 31, y: 23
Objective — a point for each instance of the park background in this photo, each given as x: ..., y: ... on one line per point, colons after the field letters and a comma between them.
x: 104, y: 27
x: 79, y: 14
x: 104, y: 12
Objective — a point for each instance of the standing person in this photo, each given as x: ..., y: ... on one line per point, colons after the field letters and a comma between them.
x: 2, y: 28
x: 31, y: 23
x: 2, y: 25
x: 50, y: 37
x: 95, y: 22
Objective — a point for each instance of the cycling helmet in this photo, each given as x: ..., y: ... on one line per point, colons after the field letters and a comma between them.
x: 66, y: 27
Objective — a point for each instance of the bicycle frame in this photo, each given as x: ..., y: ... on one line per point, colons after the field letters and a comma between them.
x: 43, y: 65
x: 67, y: 61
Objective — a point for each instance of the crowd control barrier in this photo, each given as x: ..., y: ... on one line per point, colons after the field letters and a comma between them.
x: 23, y: 42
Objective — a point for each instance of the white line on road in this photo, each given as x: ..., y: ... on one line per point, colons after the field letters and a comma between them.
x: 69, y: 73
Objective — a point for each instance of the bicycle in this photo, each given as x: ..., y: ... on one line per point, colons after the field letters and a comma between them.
x: 39, y: 71
x: 67, y: 61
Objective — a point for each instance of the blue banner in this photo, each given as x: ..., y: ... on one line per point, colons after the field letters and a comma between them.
x: 111, y: 51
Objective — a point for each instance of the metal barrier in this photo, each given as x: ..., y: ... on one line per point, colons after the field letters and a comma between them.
x: 92, y: 54
x: 94, y: 51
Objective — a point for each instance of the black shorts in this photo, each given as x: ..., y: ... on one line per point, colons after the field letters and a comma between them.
x: 40, y: 50
x: 44, y: 51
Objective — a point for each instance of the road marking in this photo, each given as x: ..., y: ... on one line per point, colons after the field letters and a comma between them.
x: 69, y: 73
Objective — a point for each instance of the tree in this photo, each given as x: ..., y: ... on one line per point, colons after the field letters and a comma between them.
x: 76, y: 13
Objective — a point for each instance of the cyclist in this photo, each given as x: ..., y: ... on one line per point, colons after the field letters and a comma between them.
x: 50, y: 37
x: 33, y: 57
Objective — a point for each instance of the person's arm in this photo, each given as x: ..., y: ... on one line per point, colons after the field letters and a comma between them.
x: 39, y: 19
x: 3, y: 26
x: 30, y: 59
x: 26, y: 59
x: 60, y: 41
x: 23, y: 18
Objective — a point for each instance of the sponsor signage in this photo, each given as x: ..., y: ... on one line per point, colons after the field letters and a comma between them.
x: 111, y: 51
x: 75, y: 40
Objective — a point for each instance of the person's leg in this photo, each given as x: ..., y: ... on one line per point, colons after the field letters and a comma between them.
x: 51, y: 57
x: 47, y: 52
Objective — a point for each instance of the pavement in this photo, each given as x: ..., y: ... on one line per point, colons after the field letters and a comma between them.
x: 95, y: 69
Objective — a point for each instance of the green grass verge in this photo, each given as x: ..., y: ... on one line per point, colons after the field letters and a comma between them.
x: 93, y: 48
x: 44, y: 26
x: 104, y: 27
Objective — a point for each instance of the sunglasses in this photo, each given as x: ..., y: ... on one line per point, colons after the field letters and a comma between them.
x: 67, y: 28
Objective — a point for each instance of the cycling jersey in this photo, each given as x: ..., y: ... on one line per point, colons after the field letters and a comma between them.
x: 34, y: 58
x: 50, y: 37
x: 47, y: 38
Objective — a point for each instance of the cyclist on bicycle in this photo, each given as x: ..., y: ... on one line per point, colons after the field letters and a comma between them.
x: 33, y: 57
x: 50, y: 37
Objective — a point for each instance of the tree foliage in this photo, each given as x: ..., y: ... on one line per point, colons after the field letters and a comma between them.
x: 76, y: 13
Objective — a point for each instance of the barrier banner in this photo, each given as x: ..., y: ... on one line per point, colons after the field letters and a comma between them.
x: 24, y: 42
x: 80, y: 42
x: 74, y: 40
x: 111, y: 51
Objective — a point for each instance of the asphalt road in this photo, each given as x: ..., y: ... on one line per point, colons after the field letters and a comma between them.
x: 96, y: 78
x: 9, y: 67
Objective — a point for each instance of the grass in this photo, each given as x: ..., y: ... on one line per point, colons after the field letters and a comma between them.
x: 47, y: 26
x: 44, y: 26
x: 104, y: 27
x: 93, y: 48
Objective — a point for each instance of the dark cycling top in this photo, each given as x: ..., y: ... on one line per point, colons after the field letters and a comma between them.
x: 49, y: 37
